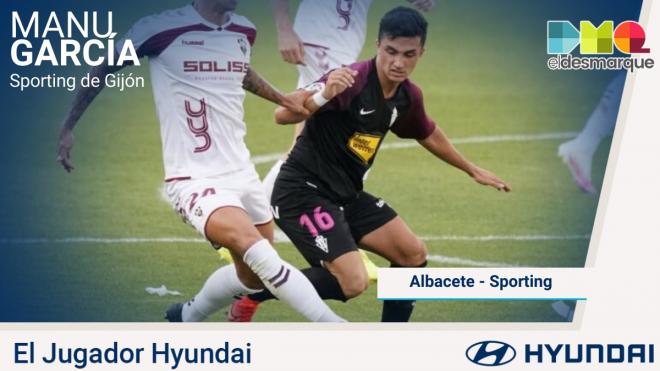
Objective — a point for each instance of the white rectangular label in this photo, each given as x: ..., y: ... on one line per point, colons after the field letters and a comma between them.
x: 482, y: 283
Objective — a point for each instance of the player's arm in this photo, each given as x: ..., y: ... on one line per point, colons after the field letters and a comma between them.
x: 83, y: 98
x: 257, y: 85
x: 438, y: 144
x: 289, y: 43
x: 337, y: 82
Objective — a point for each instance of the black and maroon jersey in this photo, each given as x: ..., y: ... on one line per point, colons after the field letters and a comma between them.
x: 340, y: 141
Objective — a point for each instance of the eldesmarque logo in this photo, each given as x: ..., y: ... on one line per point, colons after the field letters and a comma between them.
x: 490, y: 353
x: 627, y: 38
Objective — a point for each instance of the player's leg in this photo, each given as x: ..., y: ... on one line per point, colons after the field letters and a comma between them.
x: 374, y: 224
x: 243, y: 309
x: 222, y: 218
x: 227, y: 281
x: 212, y: 296
x: 318, y: 229
x: 378, y: 229
x: 195, y: 201
x: 396, y: 242
x: 350, y: 273
x: 326, y: 285
x: 266, y: 230
x: 259, y: 209
x: 578, y: 152
x: 341, y: 279
x: 231, y: 227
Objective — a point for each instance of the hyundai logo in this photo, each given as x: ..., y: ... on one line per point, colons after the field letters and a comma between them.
x: 490, y: 353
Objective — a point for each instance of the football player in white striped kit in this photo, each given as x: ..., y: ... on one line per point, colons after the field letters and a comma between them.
x: 200, y: 68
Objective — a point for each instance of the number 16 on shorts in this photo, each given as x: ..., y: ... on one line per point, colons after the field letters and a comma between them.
x: 318, y: 221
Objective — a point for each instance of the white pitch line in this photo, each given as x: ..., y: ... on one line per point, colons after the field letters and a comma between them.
x: 467, y: 262
x: 279, y: 237
x: 271, y: 157
x: 533, y: 237
x: 282, y: 238
x: 267, y: 158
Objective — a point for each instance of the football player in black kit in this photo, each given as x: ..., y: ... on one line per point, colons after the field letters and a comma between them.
x: 319, y: 201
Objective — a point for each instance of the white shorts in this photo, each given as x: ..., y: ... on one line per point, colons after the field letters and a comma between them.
x: 318, y: 61
x: 196, y: 199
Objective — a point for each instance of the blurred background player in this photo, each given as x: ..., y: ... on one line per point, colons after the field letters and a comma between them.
x: 326, y: 34
x: 209, y: 177
x: 578, y: 153
x: 318, y: 197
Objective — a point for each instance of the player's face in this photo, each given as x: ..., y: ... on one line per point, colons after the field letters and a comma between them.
x: 397, y: 57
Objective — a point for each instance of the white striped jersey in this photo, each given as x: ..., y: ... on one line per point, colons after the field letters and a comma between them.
x: 337, y: 25
x: 197, y: 71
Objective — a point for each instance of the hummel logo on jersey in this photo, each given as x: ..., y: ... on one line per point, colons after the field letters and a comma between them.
x: 193, y: 42
x: 364, y: 113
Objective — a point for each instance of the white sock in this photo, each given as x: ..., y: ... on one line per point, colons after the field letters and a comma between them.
x: 269, y: 180
x: 218, y: 292
x: 603, y: 119
x: 287, y: 283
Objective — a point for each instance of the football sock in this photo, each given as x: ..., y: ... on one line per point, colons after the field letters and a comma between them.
x: 398, y: 310
x: 603, y: 119
x: 269, y: 180
x: 325, y: 284
x: 218, y: 291
x: 287, y: 283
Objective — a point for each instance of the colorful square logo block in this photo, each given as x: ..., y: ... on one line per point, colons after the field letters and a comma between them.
x: 596, y: 40
x: 628, y: 37
x: 563, y: 37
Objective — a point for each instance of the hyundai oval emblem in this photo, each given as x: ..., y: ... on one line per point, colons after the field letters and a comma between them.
x: 490, y: 353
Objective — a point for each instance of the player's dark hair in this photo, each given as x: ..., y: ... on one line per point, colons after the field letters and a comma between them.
x: 402, y: 22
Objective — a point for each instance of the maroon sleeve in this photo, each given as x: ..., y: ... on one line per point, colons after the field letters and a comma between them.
x: 249, y: 32
x: 415, y: 124
x: 342, y: 101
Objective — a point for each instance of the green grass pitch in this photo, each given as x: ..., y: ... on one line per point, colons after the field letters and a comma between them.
x: 475, y: 84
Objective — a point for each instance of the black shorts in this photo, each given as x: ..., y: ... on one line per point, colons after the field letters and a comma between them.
x: 322, y: 229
